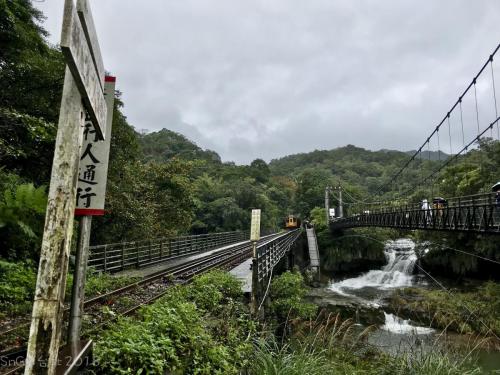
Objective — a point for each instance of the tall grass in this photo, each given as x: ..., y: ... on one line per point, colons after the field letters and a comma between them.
x: 271, y: 358
x: 329, y: 345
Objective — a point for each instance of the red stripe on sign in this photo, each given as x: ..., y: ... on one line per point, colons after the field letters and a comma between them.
x: 88, y: 212
x: 110, y: 79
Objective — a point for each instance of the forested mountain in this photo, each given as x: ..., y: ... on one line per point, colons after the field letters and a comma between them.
x: 350, y: 164
x: 166, y: 144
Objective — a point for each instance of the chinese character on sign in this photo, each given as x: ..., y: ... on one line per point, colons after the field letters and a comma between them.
x: 88, y: 152
x: 87, y: 197
x: 94, y: 155
x: 89, y: 129
x: 88, y: 175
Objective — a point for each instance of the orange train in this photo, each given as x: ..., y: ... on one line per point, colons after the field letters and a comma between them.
x: 292, y: 222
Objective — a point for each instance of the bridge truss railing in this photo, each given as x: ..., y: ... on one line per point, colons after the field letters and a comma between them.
x: 474, y: 213
x: 267, y: 256
x: 270, y: 253
x: 114, y: 257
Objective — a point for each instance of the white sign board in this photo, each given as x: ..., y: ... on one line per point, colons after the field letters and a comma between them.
x: 83, y: 57
x: 93, y: 168
x: 332, y: 212
x: 255, y: 226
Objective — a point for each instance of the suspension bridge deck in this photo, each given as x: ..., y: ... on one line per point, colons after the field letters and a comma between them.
x: 478, y: 213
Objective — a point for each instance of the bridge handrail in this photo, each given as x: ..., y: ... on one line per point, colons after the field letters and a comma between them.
x: 475, y: 199
x: 117, y: 256
x: 271, y: 252
x: 479, y: 213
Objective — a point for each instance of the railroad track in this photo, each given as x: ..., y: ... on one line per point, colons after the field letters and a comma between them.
x: 146, y: 291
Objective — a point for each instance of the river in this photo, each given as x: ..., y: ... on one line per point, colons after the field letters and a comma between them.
x: 364, y: 297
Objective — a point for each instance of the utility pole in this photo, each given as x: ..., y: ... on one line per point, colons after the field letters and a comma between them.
x: 341, y: 209
x: 327, y: 203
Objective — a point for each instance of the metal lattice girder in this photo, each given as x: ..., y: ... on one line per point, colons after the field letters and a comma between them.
x: 270, y: 253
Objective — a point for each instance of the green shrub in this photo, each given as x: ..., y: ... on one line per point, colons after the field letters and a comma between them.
x: 17, y: 287
x: 129, y: 347
x: 213, y: 289
x: 103, y: 283
x: 171, y: 336
x: 182, y: 332
x: 287, y: 293
x: 22, y: 208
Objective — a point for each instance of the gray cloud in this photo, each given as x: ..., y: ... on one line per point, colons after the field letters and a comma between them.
x: 268, y: 78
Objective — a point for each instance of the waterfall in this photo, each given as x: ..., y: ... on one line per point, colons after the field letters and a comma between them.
x: 397, y: 325
x: 371, y: 287
x: 397, y: 273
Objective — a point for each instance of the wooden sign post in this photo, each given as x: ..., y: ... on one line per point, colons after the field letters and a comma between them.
x: 255, y: 237
x: 82, y: 92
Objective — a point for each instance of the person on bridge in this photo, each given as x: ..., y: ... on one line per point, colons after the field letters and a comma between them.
x: 427, y: 212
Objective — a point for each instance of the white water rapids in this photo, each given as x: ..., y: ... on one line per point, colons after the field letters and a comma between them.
x: 396, y: 324
x: 397, y: 273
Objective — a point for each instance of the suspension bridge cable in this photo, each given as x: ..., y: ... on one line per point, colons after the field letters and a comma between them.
x: 494, y: 94
x: 462, y: 121
x: 477, y: 109
x: 474, y: 255
x: 457, y: 103
x: 455, y: 157
x: 464, y: 149
x: 449, y: 135
x: 450, y: 159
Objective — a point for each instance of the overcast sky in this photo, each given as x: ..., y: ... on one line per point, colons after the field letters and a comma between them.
x: 268, y: 78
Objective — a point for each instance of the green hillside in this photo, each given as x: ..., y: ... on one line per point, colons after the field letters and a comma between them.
x: 166, y: 144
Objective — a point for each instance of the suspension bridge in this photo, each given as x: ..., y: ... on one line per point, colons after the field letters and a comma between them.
x: 472, y: 119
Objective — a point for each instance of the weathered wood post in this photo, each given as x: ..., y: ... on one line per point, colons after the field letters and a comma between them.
x: 84, y: 79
